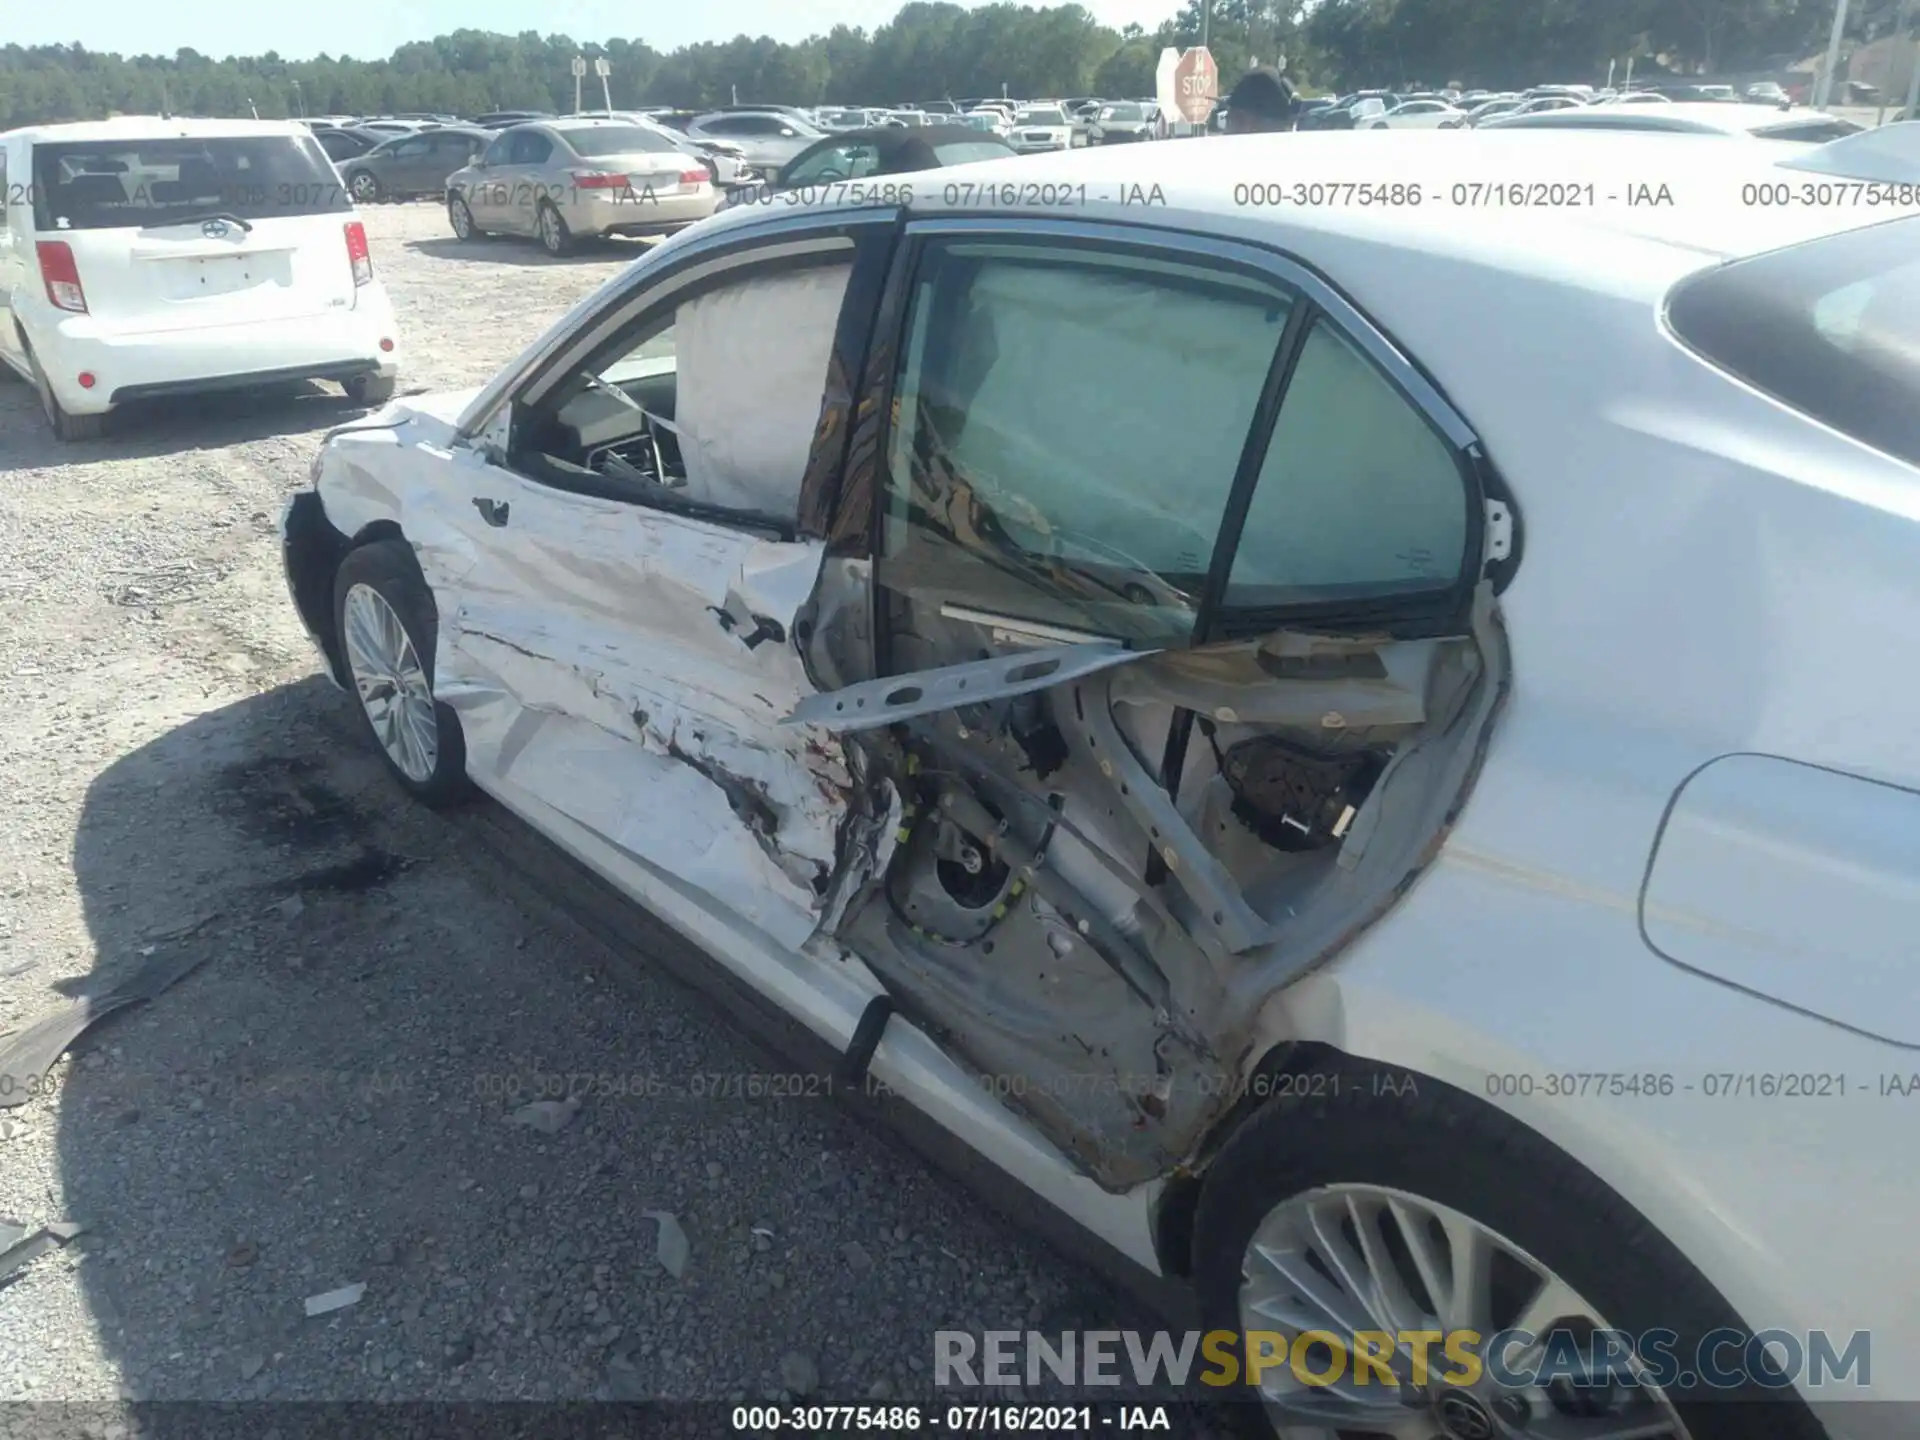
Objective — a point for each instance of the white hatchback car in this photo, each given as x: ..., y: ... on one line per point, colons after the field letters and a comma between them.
x: 1406, y: 824
x: 144, y: 257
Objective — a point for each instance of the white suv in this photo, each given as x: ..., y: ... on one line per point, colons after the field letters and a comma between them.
x: 143, y: 257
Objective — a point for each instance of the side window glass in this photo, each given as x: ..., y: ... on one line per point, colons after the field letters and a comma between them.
x: 500, y: 151
x: 1067, y: 429
x: 1358, y: 498
x: 658, y: 414
x: 829, y: 164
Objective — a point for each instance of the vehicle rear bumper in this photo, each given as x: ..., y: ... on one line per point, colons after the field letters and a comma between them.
x: 639, y: 214
x: 332, y: 345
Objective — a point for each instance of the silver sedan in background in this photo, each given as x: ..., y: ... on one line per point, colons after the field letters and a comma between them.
x: 568, y: 180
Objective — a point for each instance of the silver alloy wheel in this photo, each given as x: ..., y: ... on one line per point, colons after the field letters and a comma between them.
x: 1344, y: 1259
x: 391, y: 683
x: 462, y: 219
x: 550, y: 229
x: 364, y: 186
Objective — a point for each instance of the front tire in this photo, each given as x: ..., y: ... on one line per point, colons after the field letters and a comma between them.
x: 388, y: 627
x: 460, y: 217
x: 364, y: 186
x: 555, y: 238
x: 1358, y: 1201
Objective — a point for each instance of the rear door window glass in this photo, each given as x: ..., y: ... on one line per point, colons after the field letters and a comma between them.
x: 1359, y: 497
x: 105, y: 184
x: 530, y: 147
x: 1068, y: 427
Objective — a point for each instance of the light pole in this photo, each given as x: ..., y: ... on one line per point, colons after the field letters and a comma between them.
x: 1913, y: 56
x: 1823, y: 92
x: 299, y: 100
x: 1913, y: 86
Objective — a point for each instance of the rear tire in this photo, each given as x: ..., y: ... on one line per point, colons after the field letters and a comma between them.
x: 66, y: 426
x: 387, y: 627
x: 1446, y: 1148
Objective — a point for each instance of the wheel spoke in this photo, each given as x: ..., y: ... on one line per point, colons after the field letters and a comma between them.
x: 394, y: 690
x: 1326, y: 1308
x: 1350, y: 1258
x: 1554, y: 1301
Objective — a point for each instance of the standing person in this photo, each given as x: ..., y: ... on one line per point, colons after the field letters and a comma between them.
x: 1262, y: 100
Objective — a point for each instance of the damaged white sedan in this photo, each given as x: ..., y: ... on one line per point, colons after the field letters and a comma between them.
x: 1086, y: 670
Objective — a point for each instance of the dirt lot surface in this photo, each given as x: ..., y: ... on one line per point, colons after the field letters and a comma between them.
x: 323, y: 1102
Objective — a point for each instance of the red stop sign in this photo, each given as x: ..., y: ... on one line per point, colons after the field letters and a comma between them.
x: 1196, y: 85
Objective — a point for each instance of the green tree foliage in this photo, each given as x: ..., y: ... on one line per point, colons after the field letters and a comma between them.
x: 933, y: 50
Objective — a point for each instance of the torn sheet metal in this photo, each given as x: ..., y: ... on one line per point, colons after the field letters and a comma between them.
x: 26, y: 1056
x: 626, y: 666
x: 874, y: 703
x: 1306, y: 681
x: 630, y: 668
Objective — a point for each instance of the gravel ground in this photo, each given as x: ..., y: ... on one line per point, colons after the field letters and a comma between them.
x: 323, y: 1102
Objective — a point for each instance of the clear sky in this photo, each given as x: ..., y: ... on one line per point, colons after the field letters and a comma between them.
x: 372, y: 29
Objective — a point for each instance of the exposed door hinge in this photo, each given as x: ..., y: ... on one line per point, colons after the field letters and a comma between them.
x: 1499, y: 532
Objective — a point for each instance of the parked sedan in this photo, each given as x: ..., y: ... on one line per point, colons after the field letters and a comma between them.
x: 1487, y: 110
x: 1693, y: 117
x: 413, y: 164
x: 1297, y: 842
x: 767, y: 139
x: 1415, y: 115
x: 564, y: 181
x: 1122, y: 122
x: 501, y: 119
x: 724, y: 160
x: 868, y: 155
x: 343, y: 143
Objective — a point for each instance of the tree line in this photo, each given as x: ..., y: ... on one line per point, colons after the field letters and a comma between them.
x: 932, y: 50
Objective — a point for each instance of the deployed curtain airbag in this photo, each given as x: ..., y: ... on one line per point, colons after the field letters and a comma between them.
x: 752, y: 365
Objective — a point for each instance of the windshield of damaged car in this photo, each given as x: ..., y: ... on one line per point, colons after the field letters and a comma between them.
x: 1068, y: 430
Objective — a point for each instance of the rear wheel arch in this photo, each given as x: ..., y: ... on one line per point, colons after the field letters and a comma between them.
x: 1178, y: 1203
x: 1290, y: 1142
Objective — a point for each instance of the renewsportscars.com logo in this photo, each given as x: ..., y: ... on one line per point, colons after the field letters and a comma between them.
x: 1517, y: 1359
